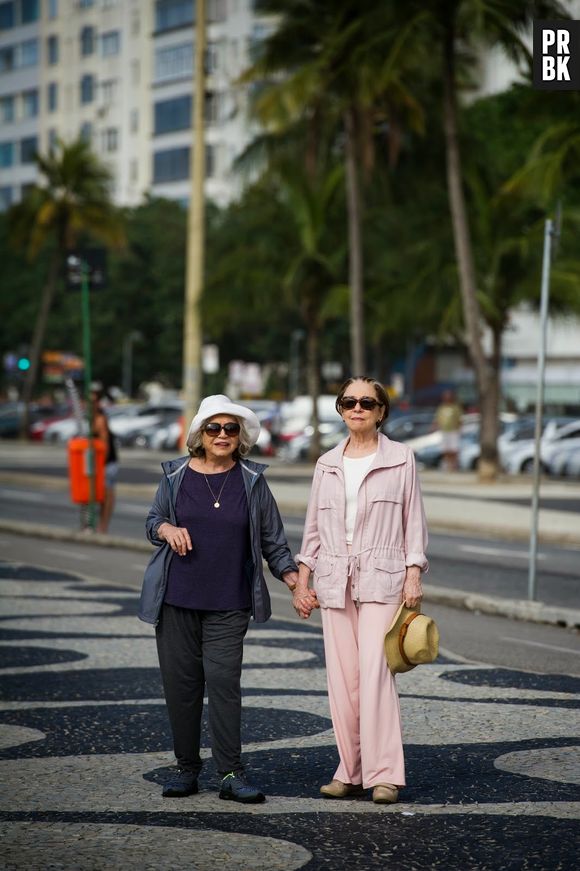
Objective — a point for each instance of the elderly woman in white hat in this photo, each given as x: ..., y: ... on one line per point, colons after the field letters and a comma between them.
x: 213, y: 518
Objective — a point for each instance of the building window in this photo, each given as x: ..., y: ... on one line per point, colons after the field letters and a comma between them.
x: 7, y: 57
x: 86, y: 132
x: 135, y: 72
x: 85, y: 4
x: 110, y: 43
x: 210, y: 160
x: 171, y: 165
x: 29, y: 11
x: 6, y: 109
x: 134, y: 120
x: 6, y: 154
x: 52, y: 49
x: 108, y: 92
x: 214, y: 103
x: 53, y: 9
x: 29, y: 53
x: 213, y: 57
x: 52, y: 139
x: 174, y: 63
x: 110, y: 139
x: 28, y: 149
x: 87, y: 89
x: 5, y: 198
x: 216, y: 11
x: 173, y: 13
x: 172, y: 115
x: 135, y: 24
x: 30, y: 103
x: 52, y: 95
x: 133, y: 171
x: 6, y: 16
x: 87, y: 41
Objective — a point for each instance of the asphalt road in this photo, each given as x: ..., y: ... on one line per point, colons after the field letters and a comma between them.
x: 459, y: 561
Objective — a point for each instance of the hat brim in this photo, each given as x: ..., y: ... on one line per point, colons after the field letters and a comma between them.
x: 395, y: 661
x: 208, y: 410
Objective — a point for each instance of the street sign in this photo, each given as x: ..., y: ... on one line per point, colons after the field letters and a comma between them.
x: 95, y: 260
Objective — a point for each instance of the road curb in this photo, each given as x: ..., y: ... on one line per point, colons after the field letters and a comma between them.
x: 516, y: 609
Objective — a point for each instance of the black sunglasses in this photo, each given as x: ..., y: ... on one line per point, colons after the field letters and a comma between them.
x: 214, y: 429
x: 366, y: 402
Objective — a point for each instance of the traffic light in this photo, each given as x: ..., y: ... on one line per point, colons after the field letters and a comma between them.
x: 23, y: 364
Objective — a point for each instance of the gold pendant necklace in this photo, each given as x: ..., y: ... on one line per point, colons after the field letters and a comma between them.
x: 216, y: 499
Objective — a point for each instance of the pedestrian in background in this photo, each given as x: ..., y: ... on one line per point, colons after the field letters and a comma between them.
x: 102, y: 431
x: 213, y: 517
x: 448, y: 420
x: 364, y: 540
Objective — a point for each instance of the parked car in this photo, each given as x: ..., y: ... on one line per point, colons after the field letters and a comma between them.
x: 512, y: 434
x: 298, y: 448
x: 566, y: 462
x: 407, y: 425
x: 428, y: 449
x: 295, y: 433
x: 556, y: 435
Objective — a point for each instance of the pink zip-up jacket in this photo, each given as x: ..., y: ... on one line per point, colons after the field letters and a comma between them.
x: 390, y: 530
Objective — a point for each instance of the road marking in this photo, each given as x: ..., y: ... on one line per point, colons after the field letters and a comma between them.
x: 539, y: 644
x: 22, y: 495
x: 498, y: 551
x: 68, y: 553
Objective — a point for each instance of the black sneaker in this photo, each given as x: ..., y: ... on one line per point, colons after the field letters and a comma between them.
x: 235, y: 787
x: 182, y: 782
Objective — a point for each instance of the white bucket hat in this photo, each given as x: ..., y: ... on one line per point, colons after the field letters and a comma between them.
x: 221, y: 404
x: 413, y: 639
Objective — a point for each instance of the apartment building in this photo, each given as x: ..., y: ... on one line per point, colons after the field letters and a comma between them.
x: 120, y: 74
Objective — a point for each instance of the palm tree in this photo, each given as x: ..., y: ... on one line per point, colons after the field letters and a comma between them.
x: 71, y: 200
x: 312, y: 273
x: 339, y: 66
x: 461, y: 29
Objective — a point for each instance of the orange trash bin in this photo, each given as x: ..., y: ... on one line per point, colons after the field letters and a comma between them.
x: 80, y: 486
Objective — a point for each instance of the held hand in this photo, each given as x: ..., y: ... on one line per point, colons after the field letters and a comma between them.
x: 177, y: 538
x: 412, y: 588
x: 304, y: 601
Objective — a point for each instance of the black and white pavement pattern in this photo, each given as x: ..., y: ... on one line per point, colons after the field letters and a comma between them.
x: 493, y: 762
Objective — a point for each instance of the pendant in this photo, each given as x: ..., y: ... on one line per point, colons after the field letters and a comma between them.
x: 216, y: 505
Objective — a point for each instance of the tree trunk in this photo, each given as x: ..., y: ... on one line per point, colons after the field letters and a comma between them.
x: 38, y: 342
x: 489, y: 404
x: 313, y: 382
x: 465, y: 261
x: 355, y: 256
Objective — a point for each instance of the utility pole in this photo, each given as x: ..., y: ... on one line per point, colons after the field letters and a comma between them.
x: 195, y: 231
x: 544, y: 299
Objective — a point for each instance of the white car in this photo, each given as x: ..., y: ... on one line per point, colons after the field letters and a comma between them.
x: 555, y: 437
x: 566, y: 461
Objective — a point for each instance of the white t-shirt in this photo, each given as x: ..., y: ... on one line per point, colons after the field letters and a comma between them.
x: 355, y: 468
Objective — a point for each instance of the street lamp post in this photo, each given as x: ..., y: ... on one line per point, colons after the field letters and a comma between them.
x: 128, y: 342
x: 296, y: 337
x: 195, y: 232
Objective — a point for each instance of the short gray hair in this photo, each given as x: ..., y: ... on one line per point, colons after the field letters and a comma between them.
x: 195, y: 441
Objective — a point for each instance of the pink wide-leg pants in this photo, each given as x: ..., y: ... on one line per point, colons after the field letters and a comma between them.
x: 364, y: 703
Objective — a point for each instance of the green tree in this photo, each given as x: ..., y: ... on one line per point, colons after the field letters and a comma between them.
x: 341, y: 67
x: 462, y: 29
x: 71, y: 201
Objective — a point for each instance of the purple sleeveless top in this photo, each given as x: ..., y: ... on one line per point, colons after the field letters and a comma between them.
x: 215, y: 574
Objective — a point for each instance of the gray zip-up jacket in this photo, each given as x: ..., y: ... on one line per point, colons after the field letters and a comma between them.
x: 267, y: 538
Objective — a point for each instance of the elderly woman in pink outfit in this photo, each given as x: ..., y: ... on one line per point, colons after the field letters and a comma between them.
x: 364, y: 540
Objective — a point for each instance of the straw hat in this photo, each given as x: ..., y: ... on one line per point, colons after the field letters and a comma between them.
x: 221, y: 404
x: 413, y: 639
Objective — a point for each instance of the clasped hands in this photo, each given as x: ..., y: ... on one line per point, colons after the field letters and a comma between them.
x: 304, y: 599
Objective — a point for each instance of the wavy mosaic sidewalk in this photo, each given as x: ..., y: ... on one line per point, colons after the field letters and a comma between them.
x: 492, y: 755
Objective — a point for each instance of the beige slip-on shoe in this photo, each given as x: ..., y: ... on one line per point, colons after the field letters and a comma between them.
x: 385, y: 793
x: 337, y: 789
